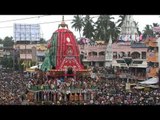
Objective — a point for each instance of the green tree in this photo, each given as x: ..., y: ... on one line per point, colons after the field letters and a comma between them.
x: 78, y: 23
x: 102, y: 27
x: 113, y: 31
x: 7, y: 62
x: 88, y: 30
x: 136, y: 24
x: 10, y: 62
x: 1, y: 41
x: 33, y: 63
x: 4, y: 62
x: 120, y: 21
x: 156, y: 25
x: 147, y: 31
x: 42, y: 41
x: 8, y: 42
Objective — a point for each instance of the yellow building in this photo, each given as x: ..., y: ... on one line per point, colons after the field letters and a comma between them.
x: 40, y: 52
x: 31, y: 54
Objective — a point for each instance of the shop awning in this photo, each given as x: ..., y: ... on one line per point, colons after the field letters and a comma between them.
x: 150, y: 81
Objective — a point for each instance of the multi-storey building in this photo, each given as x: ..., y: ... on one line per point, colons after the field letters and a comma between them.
x: 27, y: 51
x: 93, y: 55
x: 130, y: 46
x: 40, y: 52
x: 136, y: 52
x: 129, y: 51
x: 31, y: 53
x: 152, y: 57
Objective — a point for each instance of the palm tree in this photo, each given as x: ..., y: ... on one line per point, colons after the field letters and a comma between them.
x: 136, y: 24
x: 147, y: 31
x: 88, y: 30
x: 78, y: 23
x: 155, y: 25
x: 42, y: 41
x: 102, y: 27
x: 113, y: 31
x: 120, y: 21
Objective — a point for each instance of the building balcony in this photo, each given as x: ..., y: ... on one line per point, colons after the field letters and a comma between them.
x: 94, y: 58
x: 92, y: 47
x: 26, y: 46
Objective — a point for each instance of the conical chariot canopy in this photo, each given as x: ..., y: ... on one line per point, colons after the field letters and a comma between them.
x: 63, y: 50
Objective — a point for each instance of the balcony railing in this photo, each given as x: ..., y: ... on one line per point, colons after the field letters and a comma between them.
x: 92, y: 46
x: 95, y: 58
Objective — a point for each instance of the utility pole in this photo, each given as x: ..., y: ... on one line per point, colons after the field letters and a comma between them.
x: 128, y: 61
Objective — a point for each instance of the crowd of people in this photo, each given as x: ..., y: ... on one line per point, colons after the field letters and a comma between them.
x: 12, y: 88
x: 33, y: 89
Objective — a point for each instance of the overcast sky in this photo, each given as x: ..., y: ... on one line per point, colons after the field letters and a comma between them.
x: 47, y: 29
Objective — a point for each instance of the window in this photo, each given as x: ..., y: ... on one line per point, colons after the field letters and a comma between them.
x: 143, y: 55
x: 137, y: 62
x: 115, y: 55
x: 101, y: 53
x: 135, y: 55
x: 94, y: 53
x: 120, y: 61
x: 89, y: 53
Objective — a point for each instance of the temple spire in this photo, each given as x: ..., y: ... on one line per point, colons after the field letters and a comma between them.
x: 110, y: 39
x: 129, y: 26
x: 63, y: 24
x: 129, y: 29
x: 62, y: 17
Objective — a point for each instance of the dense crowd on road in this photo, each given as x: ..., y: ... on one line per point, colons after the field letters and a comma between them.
x: 12, y: 88
x: 15, y: 86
